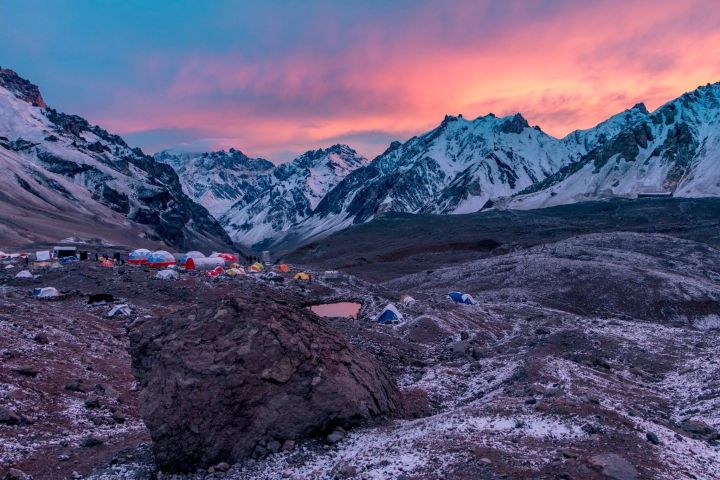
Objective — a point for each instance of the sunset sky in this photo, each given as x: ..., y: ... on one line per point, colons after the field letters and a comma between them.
x: 276, y: 78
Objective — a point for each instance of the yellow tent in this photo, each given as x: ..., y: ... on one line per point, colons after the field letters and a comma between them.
x: 301, y: 276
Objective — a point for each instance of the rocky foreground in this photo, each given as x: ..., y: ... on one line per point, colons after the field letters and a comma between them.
x: 594, y: 357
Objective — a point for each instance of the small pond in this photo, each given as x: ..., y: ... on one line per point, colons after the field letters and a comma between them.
x: 339, y: 309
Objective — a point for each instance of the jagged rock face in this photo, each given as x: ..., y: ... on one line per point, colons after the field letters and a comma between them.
x: 96, y: 174
x: 290, y: 193
x: 23, y: 89
x: 218, y: 180
x: 456, y: 168
x: 220, y: 379
x: 673, y: 150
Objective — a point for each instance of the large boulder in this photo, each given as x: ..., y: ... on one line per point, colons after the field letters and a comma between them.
x: 220, y: 381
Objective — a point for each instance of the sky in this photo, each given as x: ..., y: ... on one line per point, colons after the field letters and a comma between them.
x: 275, y: 79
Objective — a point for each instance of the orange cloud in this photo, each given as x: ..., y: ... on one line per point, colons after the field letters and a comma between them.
x: 566, y: 70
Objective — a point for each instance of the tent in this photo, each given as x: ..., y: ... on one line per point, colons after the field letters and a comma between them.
x: 228, y: 257
x: 24, y: 274
x: 160, y: 259
x: 283, y: 268
x: 107, y: 263
x: 46, y: 292
x: 389, y: 314
x: 207, y: 263
x: 301, y: 276
x: 216, y: 272
x: 233, y: 272
x: 123, y: 309
x: 459, y: 297
x: 42, y: 256
x: 188, y: 255
x: 167, y: 275
x: 406, y: 300
x: 256, y: 267
x: 139, y: 256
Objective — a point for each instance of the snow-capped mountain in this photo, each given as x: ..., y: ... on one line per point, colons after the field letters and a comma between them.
x: 586, y: 140
x: 456, y: 168
x: 65, y: 177
x: 218, y: 180
x: 676, y: 150
x: 291, y: 192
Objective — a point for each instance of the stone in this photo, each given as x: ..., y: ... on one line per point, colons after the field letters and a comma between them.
x: 288, y: 445
x: 652, y: 438
x: 344, y: 469
x: 335, y: 437
x: 92, y: 402
x: 16, y: 474
x: 221, y: 467
x: 90, y: 442
x: 9, y: 417
x: 614, y: 466
x: 74, y: 386
x: 214, y: 388
x: 41, y: 338
x: 698, y: 429
x: 274, y: 446
x: 26, y: 371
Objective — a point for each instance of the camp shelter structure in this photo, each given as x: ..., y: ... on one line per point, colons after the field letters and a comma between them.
x: 160, y: 259
x: 389, y: 314
x: 139, y: 256
x: 464, y: 298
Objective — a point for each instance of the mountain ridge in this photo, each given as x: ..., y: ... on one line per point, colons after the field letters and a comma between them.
x: 87, y: 177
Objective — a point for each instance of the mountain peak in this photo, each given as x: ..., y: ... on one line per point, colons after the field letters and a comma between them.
x: 640, y: 107
x: 21, y: 88
x: 516, y: 124
x: 338, y: 153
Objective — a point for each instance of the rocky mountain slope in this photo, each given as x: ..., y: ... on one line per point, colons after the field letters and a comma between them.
x: 290, y: 193
x: 217, y: 180
x: 674, y: 150
x: 461, y: 166
x: 379, y: 250
x: 556, y: 373
x: 65, y: 177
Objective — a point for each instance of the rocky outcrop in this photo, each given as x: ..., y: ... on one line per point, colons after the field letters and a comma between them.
x: 222, y: 381
x: 24, y: 90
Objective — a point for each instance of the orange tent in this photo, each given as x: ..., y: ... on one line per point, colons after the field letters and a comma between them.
x: 283, y: 267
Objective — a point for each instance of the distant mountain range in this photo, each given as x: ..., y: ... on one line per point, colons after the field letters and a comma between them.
x: 461, y: 166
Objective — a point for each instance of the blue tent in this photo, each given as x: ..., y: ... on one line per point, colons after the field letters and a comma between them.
x: 464, y: 298
x: 389, y: 314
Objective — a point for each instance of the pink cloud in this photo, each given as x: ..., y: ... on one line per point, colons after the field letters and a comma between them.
x: 564, y: 71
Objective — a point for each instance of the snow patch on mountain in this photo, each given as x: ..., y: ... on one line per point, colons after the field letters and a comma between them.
x: 675, y: 150
x: 83, y: 174
x: 218, y: 180
x: 291, y: 193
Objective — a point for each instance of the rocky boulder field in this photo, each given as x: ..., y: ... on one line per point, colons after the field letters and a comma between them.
x: 587, y: 357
